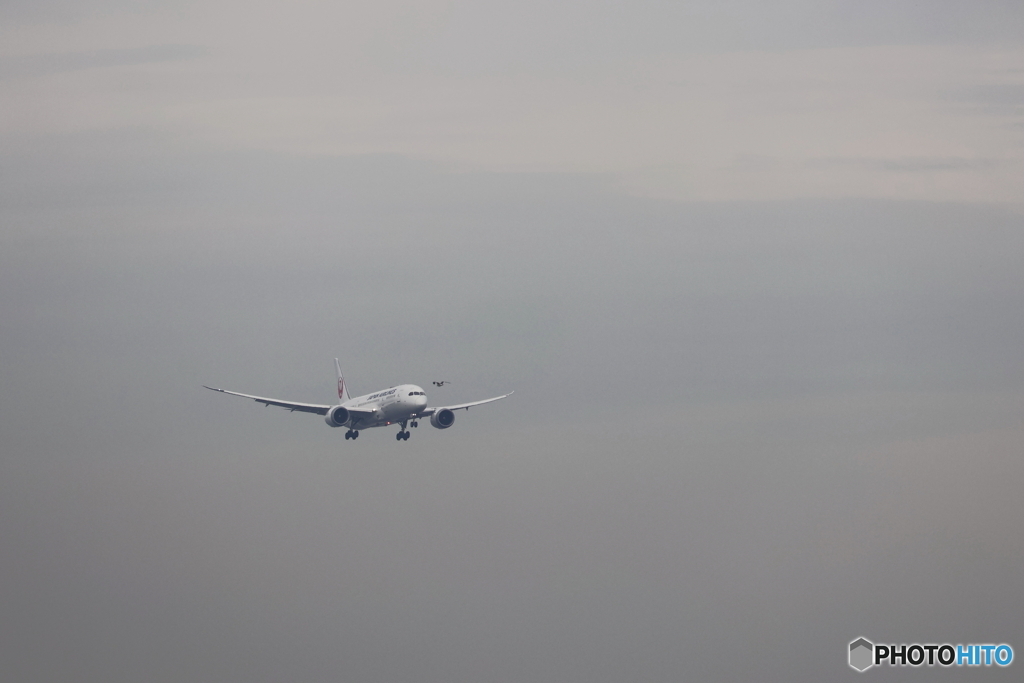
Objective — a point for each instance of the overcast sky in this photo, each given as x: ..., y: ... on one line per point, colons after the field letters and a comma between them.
x: 755, y: 272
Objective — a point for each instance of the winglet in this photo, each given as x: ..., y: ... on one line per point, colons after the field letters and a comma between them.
x: 342, y: 389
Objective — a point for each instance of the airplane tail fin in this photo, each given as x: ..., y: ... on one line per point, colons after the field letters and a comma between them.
x: 342, y: 388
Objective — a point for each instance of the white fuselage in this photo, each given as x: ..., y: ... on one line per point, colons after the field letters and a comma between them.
x: 397, y: 404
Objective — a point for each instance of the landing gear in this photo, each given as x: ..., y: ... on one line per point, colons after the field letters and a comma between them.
x: 352, y: 434
x: 402, y: 434
x: 414, y: 423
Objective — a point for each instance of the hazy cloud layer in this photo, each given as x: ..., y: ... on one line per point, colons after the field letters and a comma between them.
x: 672, y: 100
x: 747, y: 428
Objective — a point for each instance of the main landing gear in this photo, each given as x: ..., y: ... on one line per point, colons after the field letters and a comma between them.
x: 403, y: 434
x: 352, y: 434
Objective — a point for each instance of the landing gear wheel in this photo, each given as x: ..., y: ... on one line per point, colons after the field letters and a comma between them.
x: 398, y: 436
x: 348, y: 435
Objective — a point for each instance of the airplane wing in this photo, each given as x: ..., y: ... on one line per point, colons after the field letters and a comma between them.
x: 290, y: 405
x: 430, y: 411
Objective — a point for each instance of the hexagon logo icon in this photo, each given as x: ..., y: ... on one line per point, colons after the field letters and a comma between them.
x: 861, y: 654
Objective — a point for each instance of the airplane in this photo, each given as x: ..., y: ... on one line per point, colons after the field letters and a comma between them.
x: 441, y: 383
x: 402, y: 405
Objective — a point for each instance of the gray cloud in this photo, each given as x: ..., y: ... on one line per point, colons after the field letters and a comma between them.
x: 997, y: 99
x: 62, y: 62
x: 576, y: 33
x: 913, y: 164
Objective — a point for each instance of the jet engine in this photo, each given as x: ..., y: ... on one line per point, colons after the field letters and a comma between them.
x: 338, y: 416
x: 443, y: 419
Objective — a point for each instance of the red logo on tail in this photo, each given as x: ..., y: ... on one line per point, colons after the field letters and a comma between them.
x: 341, y: 387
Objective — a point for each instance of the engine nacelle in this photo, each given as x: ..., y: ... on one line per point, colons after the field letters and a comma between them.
x: 338, y: 416
x: 443, y: 419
